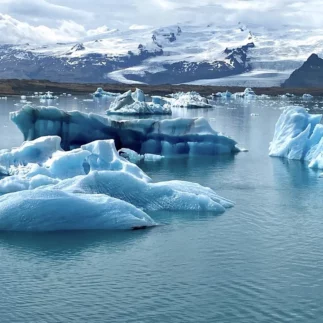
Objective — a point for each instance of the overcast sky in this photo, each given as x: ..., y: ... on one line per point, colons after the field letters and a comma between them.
x: 61, y: 20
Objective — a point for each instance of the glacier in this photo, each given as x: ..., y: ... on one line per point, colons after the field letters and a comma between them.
x: 91, y: 187
x: 167, y: 137
x: 134, y: 103
x: 299, y: 135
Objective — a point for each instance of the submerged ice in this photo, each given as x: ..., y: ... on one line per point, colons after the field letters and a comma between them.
x: 299, y: 135
x: 91, y: 187
x: 168, y: 137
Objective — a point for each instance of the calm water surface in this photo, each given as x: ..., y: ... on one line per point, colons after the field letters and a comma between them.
x: 261, y: 261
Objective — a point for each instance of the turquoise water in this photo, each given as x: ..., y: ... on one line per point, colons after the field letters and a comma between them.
x: 261, y: 261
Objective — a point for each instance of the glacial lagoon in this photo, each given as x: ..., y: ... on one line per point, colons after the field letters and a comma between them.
x: 261, y: 261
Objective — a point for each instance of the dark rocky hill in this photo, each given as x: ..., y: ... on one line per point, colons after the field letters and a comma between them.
x: 309, y: 75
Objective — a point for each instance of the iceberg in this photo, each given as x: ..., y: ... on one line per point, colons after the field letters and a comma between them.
x: 48, y: 96
x: 299, y: 135
x: 189, y: 100
x: 248, y: 93
x: 307, y: 96
x: 135, y: 103
x: 38, y: 151
x: 93, y: 187
x: 169, y: 196
x: 134, y: 157
x: 54, y: 210
x: 99, y: 93
x: 167, y: 137
x: 226, y: 94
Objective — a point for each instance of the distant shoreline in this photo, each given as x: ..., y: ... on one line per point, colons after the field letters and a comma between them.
x: 25, y: 87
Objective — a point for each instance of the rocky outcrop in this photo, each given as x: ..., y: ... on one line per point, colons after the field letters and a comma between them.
x: 310, y: 74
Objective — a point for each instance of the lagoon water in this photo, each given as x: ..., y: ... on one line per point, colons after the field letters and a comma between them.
x: 261, y: 261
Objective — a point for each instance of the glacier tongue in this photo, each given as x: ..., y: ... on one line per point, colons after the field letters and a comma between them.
x: 166, y: 137
x: 299, y: 135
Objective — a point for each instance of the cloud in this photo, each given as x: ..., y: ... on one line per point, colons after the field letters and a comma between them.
x: 14, y: 31
x: 42, y: 11
x: 139, y: 27
x: 56, y: 20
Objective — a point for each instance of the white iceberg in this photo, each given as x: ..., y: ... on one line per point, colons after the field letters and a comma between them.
x: 48, y: 96
x: 248, y: 93
x: 135, y: 104
x: 134, y: 157
x: 307, y: 96
x: 99, y: 93
x: 167, y: 137
x: 189, y: 100
x: 299, y: 135
x: 37, y: 151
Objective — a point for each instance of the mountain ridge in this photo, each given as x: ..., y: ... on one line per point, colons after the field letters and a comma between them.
x: 204, y: 55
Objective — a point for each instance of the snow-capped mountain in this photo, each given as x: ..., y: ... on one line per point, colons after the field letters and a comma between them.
x: 208, y: 54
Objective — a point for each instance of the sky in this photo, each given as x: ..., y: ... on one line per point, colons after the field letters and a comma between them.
x: 43, y: 21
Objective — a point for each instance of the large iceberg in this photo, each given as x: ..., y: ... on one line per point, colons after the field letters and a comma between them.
x: 299, y: 135
x: 54, y: 210
x: 132, y: 103
x: 189, y: 100
x: 168, y: 137
x: 94, y: 187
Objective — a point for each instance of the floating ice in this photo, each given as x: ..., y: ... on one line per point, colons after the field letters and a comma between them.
x: 171, y: 196
x: 249, y: 93
x: 226, y: 94
x: 135, y: 103
x: 53, y: 210
x: 189, y: 100
x: 48, y: 96
x: 37, y: 151
x: 134, y: 157
x: 99, y: 93
x: 307, y: 96
x: 166, y: 137
x: 65, y: 193
x: 299, y: 135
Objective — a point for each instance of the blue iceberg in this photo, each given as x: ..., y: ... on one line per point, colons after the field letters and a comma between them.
x: 299, y: 135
